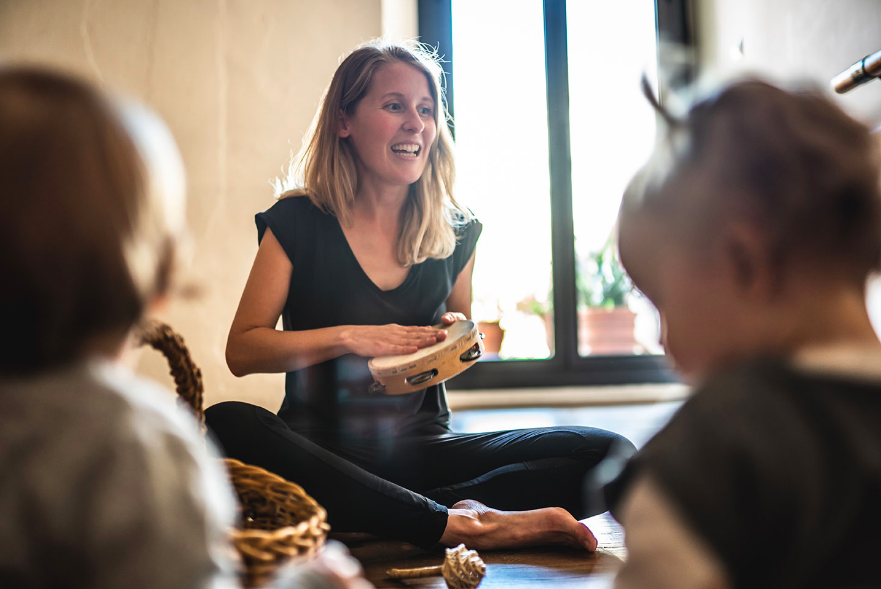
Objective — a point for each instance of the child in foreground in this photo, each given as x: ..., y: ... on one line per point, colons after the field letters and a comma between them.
x: 753, y: 230
x: 105, y: 482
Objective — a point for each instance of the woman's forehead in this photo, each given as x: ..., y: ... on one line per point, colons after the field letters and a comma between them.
x: 400, y: 78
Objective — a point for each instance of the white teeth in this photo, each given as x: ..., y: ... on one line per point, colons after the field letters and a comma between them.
x: 405, y: 147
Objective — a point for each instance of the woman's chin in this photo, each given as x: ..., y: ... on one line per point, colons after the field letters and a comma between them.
x: 408, y: 179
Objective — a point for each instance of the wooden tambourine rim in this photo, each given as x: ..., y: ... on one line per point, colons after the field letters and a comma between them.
x: 425, y: 355
x: 460, y: 345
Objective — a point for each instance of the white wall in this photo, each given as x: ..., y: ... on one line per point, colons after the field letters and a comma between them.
x: 793, y: 39
x: 400, y: 19
x: 796, y: 39
x: 238, y: 82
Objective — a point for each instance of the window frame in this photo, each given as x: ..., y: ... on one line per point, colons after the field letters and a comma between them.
x: 674, y: 23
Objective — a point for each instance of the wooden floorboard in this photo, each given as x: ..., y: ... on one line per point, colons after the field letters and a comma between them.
x: 562, y: 568
x: 510, y: 569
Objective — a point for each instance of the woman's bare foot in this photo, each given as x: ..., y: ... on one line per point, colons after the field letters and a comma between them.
x: 478, y: 526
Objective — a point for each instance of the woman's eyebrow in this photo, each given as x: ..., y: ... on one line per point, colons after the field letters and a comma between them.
x: 402, y: 96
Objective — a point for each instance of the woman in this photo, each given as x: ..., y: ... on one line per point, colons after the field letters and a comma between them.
x: 365, y: 253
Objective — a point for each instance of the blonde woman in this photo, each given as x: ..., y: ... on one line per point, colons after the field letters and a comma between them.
x: 365, y: 251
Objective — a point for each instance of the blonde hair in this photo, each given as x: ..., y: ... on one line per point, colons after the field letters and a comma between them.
x: 325, y: 171
x: 91, y: 217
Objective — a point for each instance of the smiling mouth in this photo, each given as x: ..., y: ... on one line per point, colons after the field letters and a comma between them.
x: 407, y: 149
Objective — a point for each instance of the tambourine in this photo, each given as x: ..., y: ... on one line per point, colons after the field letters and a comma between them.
x: 408, y: 373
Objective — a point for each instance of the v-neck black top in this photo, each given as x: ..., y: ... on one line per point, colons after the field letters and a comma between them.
x: 329, y: 288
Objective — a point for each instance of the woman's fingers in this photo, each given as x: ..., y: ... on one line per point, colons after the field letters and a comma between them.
x: 413, y: 344
x: 422, y: 336
x: 388, y: 340
x: 399, y: 350
x: 451, y: 317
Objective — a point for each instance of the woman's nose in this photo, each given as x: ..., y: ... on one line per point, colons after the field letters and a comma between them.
x: 413, y: 122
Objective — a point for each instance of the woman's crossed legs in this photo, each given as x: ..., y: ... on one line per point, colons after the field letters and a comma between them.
x: 435, y: 485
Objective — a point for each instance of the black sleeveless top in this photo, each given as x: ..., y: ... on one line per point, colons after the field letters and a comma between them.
x: 329, y: 288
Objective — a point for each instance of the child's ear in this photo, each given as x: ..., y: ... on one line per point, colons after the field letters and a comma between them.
x: 747, y: 256
x: 344, y: 125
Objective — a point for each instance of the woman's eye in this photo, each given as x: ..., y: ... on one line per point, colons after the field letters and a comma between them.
x: 393, y: 106
x: 425, y: 111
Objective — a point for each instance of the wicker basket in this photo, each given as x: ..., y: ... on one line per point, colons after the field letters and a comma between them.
x: 279, y: 520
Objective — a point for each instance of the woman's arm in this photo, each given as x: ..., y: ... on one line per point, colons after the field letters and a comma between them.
x: 459, y: 301
x: 255, y: 345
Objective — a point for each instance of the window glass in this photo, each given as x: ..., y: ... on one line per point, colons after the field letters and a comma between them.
x: 502, y: 170
x: 612, y: 131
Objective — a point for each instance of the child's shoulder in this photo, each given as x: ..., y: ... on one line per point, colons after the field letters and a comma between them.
x: 740, y: 392
x: 144, y: 401
x: 92, y: 450
x: 90, y: 405
x: 767, y: 427
x: 778, y: 385
x: 769, y: 442
x: 92, y: 419
x: 750, y: 417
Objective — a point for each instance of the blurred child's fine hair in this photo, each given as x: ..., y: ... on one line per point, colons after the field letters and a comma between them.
x: 91, y: 217
x: 791, y: 163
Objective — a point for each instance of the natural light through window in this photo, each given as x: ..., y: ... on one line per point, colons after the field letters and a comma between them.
x: 503, y: 165
x: 611, y: 45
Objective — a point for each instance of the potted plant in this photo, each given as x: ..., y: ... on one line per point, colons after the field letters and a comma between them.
x: 488, y: 317
x: 605, y: 323
x: 544, y: 310
x: 493, y: 334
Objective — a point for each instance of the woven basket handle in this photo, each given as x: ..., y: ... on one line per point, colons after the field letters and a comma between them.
x: 187, y: 376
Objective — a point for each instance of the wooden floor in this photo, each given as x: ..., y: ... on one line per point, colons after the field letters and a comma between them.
x: 563, y: 568
x: 510, y: 569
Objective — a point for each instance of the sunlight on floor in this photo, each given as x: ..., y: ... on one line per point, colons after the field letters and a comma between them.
x: 638, y: 423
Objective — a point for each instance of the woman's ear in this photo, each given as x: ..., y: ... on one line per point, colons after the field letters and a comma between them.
x: 344, y: 125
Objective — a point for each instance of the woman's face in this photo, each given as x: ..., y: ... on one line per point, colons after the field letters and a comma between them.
x: 393, y: 127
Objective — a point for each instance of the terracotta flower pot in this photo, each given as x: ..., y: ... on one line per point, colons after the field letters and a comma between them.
x: 493, y: 334
x: 607, y: 331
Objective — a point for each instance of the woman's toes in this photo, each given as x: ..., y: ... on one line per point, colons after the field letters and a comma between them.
x: 587, y: 538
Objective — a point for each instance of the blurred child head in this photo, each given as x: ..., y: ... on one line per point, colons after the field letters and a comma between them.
x: 91, y: 214
x: 754, y: 226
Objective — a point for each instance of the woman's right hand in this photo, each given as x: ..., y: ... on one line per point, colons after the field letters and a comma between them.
x: 389, y: 340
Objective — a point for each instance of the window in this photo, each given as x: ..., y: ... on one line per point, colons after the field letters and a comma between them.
x: 543, y: 266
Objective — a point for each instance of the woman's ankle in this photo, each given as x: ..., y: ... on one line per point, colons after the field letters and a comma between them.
x: 466, y: 526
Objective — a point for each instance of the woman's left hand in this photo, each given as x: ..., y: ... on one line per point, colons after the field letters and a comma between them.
x: 450, y: 318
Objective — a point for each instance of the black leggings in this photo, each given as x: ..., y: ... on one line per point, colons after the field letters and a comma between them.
x: 401, y: 488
